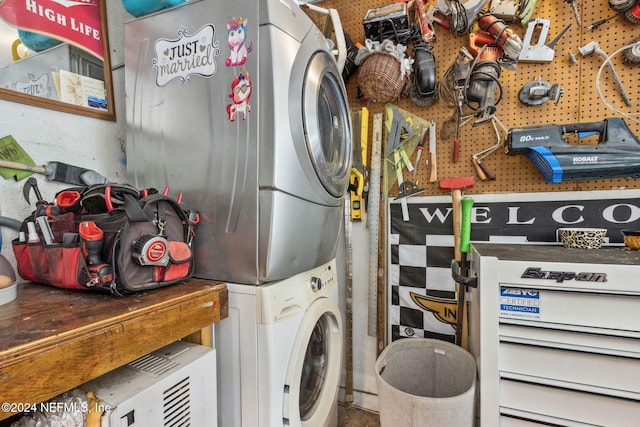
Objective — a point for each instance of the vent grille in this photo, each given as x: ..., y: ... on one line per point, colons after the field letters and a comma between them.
x: 177, y: 404
x: 152, y: 364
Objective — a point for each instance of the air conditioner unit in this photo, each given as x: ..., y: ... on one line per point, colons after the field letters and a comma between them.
x: 171, y: 387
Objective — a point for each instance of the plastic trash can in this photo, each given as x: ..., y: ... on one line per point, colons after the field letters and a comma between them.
x: 426, y: 382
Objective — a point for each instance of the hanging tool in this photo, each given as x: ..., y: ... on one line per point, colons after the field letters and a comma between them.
x: 423, y: 86
x: 424, y: 19
x: 527, y: 9
x: 461, y: 13
x: 61, y: 172
x: 408, y: 188
x: 419, y: 149
x: 631, y: 55
x: 400, y: 131
x: 348, y: 291
x: 458, y: 119
x: 600, y: 22
x: 503, y: 36
x: 482, y: 170
x: 576, y: 12
x: 593, y: 47
x: 465, y: 246
x: 432, y: 152
x: 456, y: 186
x: 374, y: 224
x: 633, y: 14
x: 621, y: 6
x: 483, y: 88
x: 398, y: 164
x: 538, y: 92
x: 617, y: 154
x: 356, y: 177
x: 451, y: 92
x: 597, y: 24
x: 539, y: 52
x: 505, y: 9
x: 459, y: 122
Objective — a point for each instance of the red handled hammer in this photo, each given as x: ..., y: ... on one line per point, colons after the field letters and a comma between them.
x: 456, y: 186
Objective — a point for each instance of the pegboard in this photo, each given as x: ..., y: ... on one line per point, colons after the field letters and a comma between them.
x: 579, y: 102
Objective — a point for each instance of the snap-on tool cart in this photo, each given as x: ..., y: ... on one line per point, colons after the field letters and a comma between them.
x: 555, y: 335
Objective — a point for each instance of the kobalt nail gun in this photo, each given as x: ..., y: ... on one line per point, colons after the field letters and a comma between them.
x: 616, y: 154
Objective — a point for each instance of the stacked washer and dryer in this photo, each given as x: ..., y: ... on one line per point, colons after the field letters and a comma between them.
x: 240, y: 106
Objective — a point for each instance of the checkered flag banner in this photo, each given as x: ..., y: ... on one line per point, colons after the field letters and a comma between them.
x: 421, y: 299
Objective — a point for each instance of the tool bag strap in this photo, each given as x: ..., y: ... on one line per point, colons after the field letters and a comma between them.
x: 141, y: 210
x: 134, y: 211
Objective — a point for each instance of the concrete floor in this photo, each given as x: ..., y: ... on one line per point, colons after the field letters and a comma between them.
x: 353, y: 416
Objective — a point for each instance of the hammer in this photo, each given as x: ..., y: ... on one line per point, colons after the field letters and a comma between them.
x: 457, y: 185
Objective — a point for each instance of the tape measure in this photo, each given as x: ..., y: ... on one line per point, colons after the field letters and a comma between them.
x: 151, y: 250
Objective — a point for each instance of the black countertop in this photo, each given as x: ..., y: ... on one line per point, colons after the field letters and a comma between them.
x: 558, y: 253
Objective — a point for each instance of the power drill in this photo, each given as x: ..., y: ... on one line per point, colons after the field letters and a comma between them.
x: 91, y: 241
x: 483, y: 88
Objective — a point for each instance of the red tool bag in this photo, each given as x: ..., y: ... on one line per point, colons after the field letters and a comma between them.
x: 109, y: 237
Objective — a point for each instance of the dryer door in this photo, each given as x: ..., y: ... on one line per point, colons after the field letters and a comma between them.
x: 327, y: 123
x: 313, y: 375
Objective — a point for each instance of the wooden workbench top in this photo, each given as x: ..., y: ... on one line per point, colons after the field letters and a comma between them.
x: 53, y: 340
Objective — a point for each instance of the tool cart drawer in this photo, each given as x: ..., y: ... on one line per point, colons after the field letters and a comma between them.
x: 590, y: 340
x: 553, y: 405
x: 564, y: 308
x: 600, y: 373
x: 517, y: 422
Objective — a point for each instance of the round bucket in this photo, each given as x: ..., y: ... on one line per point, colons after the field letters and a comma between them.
x: 425, y: 382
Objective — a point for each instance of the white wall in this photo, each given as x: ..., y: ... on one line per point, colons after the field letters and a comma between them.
x: 48, y: 135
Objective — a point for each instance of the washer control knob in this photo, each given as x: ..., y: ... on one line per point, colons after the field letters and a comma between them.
x: 316, y: 284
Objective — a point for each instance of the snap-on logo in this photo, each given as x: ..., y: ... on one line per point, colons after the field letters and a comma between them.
x: 561, y: 276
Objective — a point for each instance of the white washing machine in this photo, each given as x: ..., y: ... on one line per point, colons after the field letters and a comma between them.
x: 280, y: 352
x: 240, y: 106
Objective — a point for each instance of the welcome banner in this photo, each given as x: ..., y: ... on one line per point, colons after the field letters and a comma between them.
x: 421, y: 292
x: 76, y: 22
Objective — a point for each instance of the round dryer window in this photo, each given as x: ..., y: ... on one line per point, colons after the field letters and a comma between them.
x: 327, y: 123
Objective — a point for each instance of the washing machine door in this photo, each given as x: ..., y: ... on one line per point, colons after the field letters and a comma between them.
x: 327, y: 123
x: 313, y: 374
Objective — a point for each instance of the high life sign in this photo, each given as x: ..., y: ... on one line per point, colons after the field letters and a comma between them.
x: 76, y: 22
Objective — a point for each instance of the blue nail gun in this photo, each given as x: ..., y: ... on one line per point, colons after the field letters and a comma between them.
x: 616, y: 155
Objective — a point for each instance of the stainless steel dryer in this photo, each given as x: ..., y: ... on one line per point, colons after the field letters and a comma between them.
x: 240, y: 107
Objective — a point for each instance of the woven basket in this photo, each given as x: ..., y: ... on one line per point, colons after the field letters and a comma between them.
x: 380, y: 77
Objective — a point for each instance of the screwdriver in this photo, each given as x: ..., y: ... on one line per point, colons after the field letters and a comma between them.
x: 576, y: 13
x: 602, y: 21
